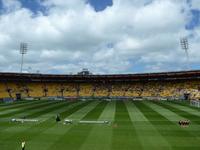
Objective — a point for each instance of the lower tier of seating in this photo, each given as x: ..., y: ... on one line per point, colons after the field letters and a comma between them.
x: 190, y: 88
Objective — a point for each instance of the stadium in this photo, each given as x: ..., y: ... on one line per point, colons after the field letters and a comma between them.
x: 139, y: 87
x: 129, y: 111
x: 165, y: 85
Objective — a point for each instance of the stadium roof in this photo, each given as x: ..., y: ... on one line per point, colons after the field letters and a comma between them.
x: 27, y: 77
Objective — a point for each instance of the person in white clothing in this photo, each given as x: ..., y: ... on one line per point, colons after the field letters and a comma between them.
x: 23, y: 145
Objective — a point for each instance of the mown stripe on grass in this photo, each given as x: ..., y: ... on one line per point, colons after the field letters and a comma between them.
x: 22, y: 102
x: 184, y: 103
x: 39, y: 131
x: 188, y: 109
x: 18, y: 105
x: 6, y: 123
x: 124, y: 133
x: 148, y: 135
x: 76, y: 136
x: 47, y: 110
x: 173, y: 117
x: 59, y: 130
x: 12, y: 110
x: 95, y: 141
x: 96, y: 112
x: 193, y: 128
x: 35, y: 130
x: 27, y: 107
x: 175, y: 135
x: 74, y: 109
x: 189, y: 115
x: 13, y: 103
x: 42, y: 111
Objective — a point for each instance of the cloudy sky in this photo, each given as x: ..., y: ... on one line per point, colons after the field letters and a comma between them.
x: 105, y: 36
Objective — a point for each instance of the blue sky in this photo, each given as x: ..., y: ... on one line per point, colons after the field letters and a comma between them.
x: 33, y: 5
x: 1, y: 5
x: 100, y: 5
x: 195, y: 19
x: 111, y: 36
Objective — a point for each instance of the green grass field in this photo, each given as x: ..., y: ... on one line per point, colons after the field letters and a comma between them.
x: 135, y: 125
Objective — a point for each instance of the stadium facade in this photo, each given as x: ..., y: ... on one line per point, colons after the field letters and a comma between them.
x: 166, y: 85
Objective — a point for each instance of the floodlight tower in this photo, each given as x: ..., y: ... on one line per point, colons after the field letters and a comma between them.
x: 23, y: 51
x: 185, y: 47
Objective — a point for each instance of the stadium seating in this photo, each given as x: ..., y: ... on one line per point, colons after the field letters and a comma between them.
x: 117, y: 90
x: 70, y: 90
x: 86, y: 90
x: 4, y: 91
x: 36, y: 89
x: 154, y: 88
x: 53, y: 89
x: 100, y: 90
x: 150, y: 89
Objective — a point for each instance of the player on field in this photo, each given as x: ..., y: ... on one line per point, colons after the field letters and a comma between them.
x: 58, y: 118
x: 23, y: 145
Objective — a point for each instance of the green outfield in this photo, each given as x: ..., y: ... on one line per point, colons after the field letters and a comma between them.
x: 134, y: 125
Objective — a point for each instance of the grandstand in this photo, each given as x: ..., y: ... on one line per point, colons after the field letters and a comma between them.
x: 168, y: 85
x: 109, y: 112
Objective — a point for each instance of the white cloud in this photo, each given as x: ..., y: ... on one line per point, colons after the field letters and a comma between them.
x: 195, y: 4
x: 74, y: 36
